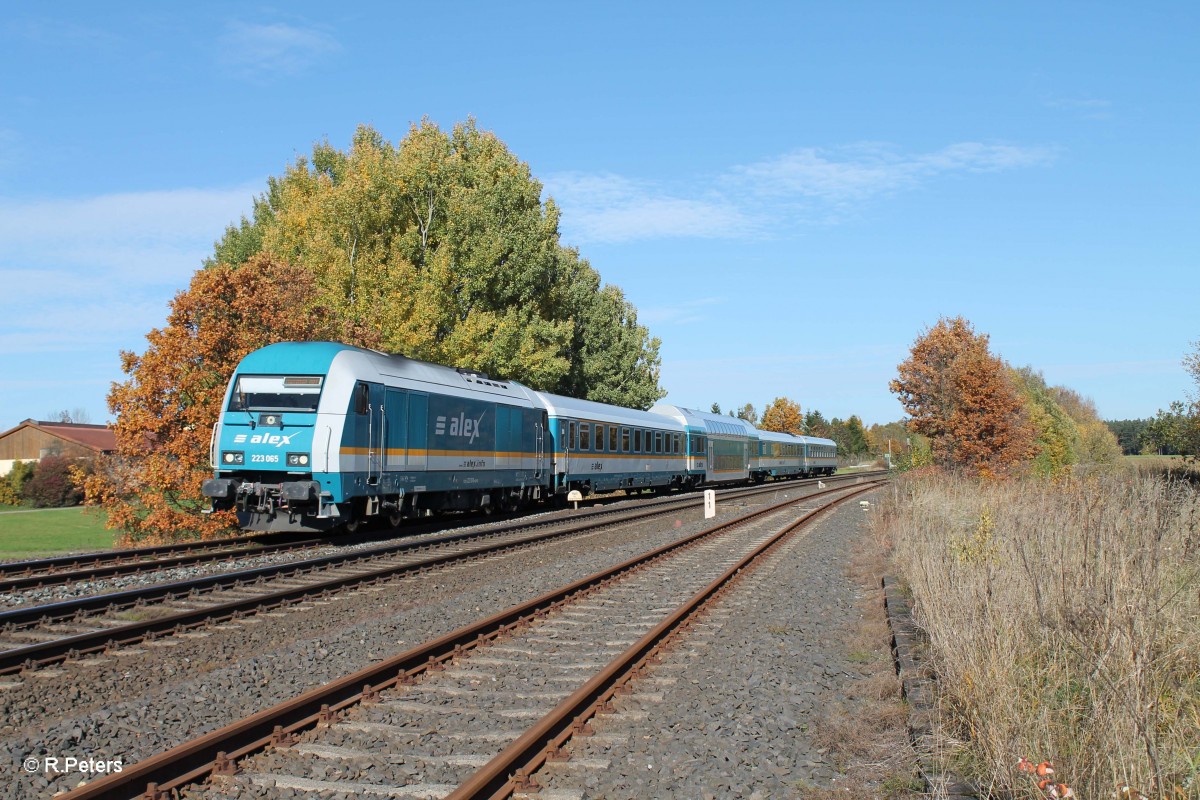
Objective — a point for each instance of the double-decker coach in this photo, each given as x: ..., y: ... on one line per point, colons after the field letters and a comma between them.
x: 721, y: 447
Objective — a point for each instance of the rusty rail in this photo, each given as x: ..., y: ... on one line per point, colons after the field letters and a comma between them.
x: 218, y: 751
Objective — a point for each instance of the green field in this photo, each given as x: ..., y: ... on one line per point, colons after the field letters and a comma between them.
x: 52, y: 531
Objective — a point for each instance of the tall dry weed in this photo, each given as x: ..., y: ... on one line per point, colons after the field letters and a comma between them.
x: 1063, y: 622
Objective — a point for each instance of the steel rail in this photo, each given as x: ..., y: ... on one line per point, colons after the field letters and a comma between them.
x: 129, y: 598
x: 53, y: 568
x: 216, y: 753
x: 512, y: 770
x: 80, y: 644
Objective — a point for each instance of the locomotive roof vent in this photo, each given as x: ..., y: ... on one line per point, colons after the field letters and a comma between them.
x: 473, y: 376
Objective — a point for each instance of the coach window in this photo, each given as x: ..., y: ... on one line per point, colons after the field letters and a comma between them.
x: 572, y: 443
x: 637, y: 440
x: 585, y: 436
x: 600, y: 438
x: 624, y: 440
x: 657, y: 442
x: 612, y: 438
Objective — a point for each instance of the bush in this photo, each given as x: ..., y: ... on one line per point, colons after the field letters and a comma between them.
x: 12, y: 483
x: 51, y: 485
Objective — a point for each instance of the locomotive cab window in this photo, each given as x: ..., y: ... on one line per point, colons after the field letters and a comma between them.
x: 276, y: 393
x: 362, y: 399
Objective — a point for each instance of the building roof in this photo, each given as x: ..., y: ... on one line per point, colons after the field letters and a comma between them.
x: 94, y: 437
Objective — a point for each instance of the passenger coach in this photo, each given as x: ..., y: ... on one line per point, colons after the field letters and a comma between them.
x: 602, y: 448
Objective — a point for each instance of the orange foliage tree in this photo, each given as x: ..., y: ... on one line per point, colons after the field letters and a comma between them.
x: 960, y: 396
x: 782, y: 416
x: 150, y: 489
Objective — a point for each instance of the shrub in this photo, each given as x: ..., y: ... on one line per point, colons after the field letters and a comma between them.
x: 12, y: 483
x: 51, y: 485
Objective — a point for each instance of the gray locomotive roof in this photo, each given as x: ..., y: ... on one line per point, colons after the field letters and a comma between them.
x: 559, y: 405
x: 466, y: 381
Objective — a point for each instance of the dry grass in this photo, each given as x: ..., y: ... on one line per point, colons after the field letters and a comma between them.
x: 1063, y: 623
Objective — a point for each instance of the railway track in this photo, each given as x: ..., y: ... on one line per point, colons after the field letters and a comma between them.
x: 19, y: 576
x: 36, y: 636
x: 477, y: 712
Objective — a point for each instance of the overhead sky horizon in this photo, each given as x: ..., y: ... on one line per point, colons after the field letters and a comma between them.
x: 789, y: 193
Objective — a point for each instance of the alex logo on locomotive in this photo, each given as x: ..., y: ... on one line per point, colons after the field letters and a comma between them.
x: 460, y: 426
x: 279, y: 440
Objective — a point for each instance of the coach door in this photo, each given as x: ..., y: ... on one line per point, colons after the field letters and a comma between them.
x: 395, y: 430
x: 539, y: 444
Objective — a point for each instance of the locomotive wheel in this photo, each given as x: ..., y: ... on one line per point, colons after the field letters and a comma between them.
x: 354, y: 525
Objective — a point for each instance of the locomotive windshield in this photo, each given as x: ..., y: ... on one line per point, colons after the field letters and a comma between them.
x: 276, y: 393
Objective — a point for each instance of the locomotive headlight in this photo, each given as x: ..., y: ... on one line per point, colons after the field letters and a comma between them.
x: 297, y: 459
x: 233, y: 458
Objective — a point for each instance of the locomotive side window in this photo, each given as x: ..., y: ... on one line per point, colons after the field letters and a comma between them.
x: 276, y: 393
x: 362, y: 399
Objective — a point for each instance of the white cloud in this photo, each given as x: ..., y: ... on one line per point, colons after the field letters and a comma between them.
x: 609, y: 208
x: 97, y: 273
x: 864, y: 171
x: 155, y: 237
x: 272, y: 49
x: 802, y: 186
x: 678, y: 314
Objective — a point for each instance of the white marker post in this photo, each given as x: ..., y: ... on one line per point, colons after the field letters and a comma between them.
x: 710, y: 504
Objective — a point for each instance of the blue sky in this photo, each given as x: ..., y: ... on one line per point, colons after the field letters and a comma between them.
x: 790, y: 193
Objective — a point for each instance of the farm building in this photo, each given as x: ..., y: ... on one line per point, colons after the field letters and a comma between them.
x: 31, y: 440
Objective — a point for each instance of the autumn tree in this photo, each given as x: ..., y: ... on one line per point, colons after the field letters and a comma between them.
x: 783, y: 416
x: 165, y: 410
x: 960, y: 396
x: 1097, y: 444
x: 1056, y: 437
x: 441, y: 248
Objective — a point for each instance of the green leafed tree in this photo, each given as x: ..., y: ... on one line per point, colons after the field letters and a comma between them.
x: 440, y: 247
